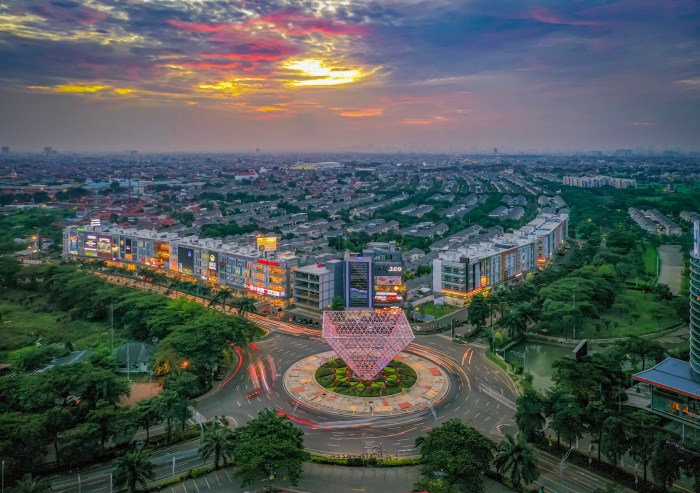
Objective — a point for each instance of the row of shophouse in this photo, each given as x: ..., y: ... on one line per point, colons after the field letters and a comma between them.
x: 372, y: 278
x: 466, y: 269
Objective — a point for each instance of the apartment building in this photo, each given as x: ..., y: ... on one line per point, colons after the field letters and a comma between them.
x: 598, y: 181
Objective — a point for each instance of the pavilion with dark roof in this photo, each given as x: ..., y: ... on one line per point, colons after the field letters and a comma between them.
x: 674, y: 392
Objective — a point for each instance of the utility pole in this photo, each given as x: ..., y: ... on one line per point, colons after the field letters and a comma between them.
x: 574, y: 300
x: 111, y: 319
x: 657, y: 265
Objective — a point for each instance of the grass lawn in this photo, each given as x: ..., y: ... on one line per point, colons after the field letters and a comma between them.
x: 23, y: 325
x: 654, y: 315
x: 437, y: 311
x: 649, y: 257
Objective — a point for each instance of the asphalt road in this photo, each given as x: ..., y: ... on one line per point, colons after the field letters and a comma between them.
x: 480, y: 395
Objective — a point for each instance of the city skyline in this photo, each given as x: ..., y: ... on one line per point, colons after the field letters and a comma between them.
x: 450, y: 76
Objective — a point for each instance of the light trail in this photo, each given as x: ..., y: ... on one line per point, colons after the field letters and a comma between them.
x: 266, y: 386
x: 254, y: 376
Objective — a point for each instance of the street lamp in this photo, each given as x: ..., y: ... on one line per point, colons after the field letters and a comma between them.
x: 271, y: 471
x: 522, y: 355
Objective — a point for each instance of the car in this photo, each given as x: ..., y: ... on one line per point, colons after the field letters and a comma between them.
x: 253, y: 394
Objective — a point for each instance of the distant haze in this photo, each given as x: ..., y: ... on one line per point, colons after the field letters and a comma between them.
x: 384, y: 75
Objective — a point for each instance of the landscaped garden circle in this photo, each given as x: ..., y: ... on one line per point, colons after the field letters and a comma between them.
x: 337, y: 377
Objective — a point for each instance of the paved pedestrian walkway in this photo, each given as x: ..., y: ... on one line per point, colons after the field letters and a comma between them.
x: 431, y: 386
x: 321, y: 478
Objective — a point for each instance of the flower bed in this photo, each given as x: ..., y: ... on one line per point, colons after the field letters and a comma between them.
x: 337, y: 377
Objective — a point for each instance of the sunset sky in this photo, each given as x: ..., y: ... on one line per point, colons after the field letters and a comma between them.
x: 171, y: 75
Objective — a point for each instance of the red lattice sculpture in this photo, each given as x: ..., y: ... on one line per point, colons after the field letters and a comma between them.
x: 366, y: 340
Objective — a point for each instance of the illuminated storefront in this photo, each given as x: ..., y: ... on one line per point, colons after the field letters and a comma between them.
x: 242, y: 269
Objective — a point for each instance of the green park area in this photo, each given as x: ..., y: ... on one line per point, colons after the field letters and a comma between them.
x: 633, y: 313
x: 27, y: 222
x: 437, y: 311
x: 649, y: 257
x: 27, y: 322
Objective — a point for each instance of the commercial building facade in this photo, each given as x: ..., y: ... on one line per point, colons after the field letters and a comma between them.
x: 242, y: 268
x: 461, y: 272
x: 316, y: 285
x: 374, y: 278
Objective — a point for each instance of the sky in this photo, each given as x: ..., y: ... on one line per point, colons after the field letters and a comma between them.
x: 343, y: 75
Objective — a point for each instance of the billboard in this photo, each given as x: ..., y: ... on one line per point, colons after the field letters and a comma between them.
x: 185, y: 260
x: 161, y: 253
x: 267, y: 243
x: 382, y: 269
x: 104, y: 246
x: 213, y: 261
x: 91, y: 245
x: 73, y: 244
x: 358, y: 284
x: 127, y: 249
x: 388, y: 281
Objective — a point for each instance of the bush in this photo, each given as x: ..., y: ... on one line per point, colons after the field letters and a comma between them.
x: 324, y: 371
x: 170, y: 482
x: 198, y: 472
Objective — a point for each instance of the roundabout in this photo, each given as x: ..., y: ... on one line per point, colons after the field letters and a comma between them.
x: 431, y: 386
x: 452, y: 382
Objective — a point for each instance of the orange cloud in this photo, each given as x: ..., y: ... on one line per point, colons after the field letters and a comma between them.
x: 423, y: 121
x: 360, y: 113
x: 267, y: 109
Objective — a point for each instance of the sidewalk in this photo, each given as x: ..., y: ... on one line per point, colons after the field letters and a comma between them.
x: 320, y: 478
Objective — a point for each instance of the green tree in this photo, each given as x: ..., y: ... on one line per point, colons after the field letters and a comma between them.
x: 132, y: 469
x: 22, y: 442
x: 81, y: 444
x: 113, y: 422
x: 637, y: 348
x: 56, y: 421
x: 245, y: 305
x: 478, y: 311
x: 30, y: 484
x: 9, y: 269
x: 218, y: 442
x: 642, y: 431
x: 517, y: 459
x: 457, y: 450
x: 173, y: 408
x: 613, y: 442
x: 337, y: 303
x: 530, y: 414
x: 595, y: 416
x: 567, y: 419
x: 269, y: 442
x: 148, y: 413
x: 665, y: 464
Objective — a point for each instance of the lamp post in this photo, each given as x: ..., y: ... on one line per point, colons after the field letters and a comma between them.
x: 522, y: 355
x: 271, y: 473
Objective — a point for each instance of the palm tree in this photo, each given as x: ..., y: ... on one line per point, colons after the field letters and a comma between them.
x: 218, y: 441
x: 220, y: 296
x: 133, y: 468
x: 518, y: 457
x: 224, y: 294
x: 245, y: 305
x: 30, y: 484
